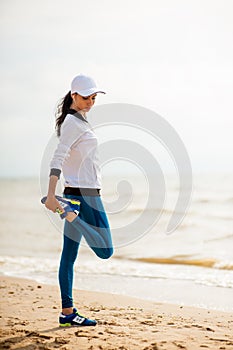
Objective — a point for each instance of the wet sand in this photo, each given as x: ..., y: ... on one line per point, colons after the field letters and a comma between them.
x: 29, y: 320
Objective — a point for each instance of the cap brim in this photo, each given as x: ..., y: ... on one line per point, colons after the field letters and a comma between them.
x: 89, y: 92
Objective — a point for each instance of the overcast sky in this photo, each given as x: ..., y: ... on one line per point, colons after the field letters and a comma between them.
x: 172, y: 56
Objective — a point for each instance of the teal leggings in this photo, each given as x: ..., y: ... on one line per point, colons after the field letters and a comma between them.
x: 92, y: 224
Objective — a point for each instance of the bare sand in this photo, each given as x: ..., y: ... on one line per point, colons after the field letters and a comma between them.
x: 29, y: 320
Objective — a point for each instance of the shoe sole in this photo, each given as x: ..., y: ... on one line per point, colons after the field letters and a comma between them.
x: 63, y: 214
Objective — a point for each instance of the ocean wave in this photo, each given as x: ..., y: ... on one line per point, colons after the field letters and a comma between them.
x: 181, y: 260
x: 222, y: 238
x: 45, y: 270
x: 202, y: 200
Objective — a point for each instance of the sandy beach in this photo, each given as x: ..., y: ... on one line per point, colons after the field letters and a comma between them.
x: 29, y: 320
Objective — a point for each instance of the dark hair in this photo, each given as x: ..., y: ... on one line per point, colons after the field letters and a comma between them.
x: 62, y: 110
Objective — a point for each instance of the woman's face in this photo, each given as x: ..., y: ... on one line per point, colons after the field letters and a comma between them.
x: 83, y: 103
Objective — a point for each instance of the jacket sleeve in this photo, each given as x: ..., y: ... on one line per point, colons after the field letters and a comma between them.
x: 70, y: 133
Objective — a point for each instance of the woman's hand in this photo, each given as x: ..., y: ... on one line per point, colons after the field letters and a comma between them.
x: 51, y: 201
x: 53, y: 204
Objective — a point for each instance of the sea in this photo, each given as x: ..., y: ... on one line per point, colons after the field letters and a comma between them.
x: 193, y: 265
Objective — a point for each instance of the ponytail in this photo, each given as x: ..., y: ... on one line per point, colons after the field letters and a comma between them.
x: 62, y: 110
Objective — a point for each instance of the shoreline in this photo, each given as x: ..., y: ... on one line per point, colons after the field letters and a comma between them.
x: 180, y: 292
x: 30, y: 310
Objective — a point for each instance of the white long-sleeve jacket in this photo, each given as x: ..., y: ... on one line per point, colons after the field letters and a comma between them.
x: 76, y: 154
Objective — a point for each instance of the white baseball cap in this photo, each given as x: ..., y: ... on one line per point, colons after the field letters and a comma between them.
x: 84, y: 86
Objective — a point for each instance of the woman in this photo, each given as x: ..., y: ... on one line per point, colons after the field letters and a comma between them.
x: 81, y: 206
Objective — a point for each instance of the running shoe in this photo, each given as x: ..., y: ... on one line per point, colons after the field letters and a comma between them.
x: 68, y: 205
x: 75, y: 319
